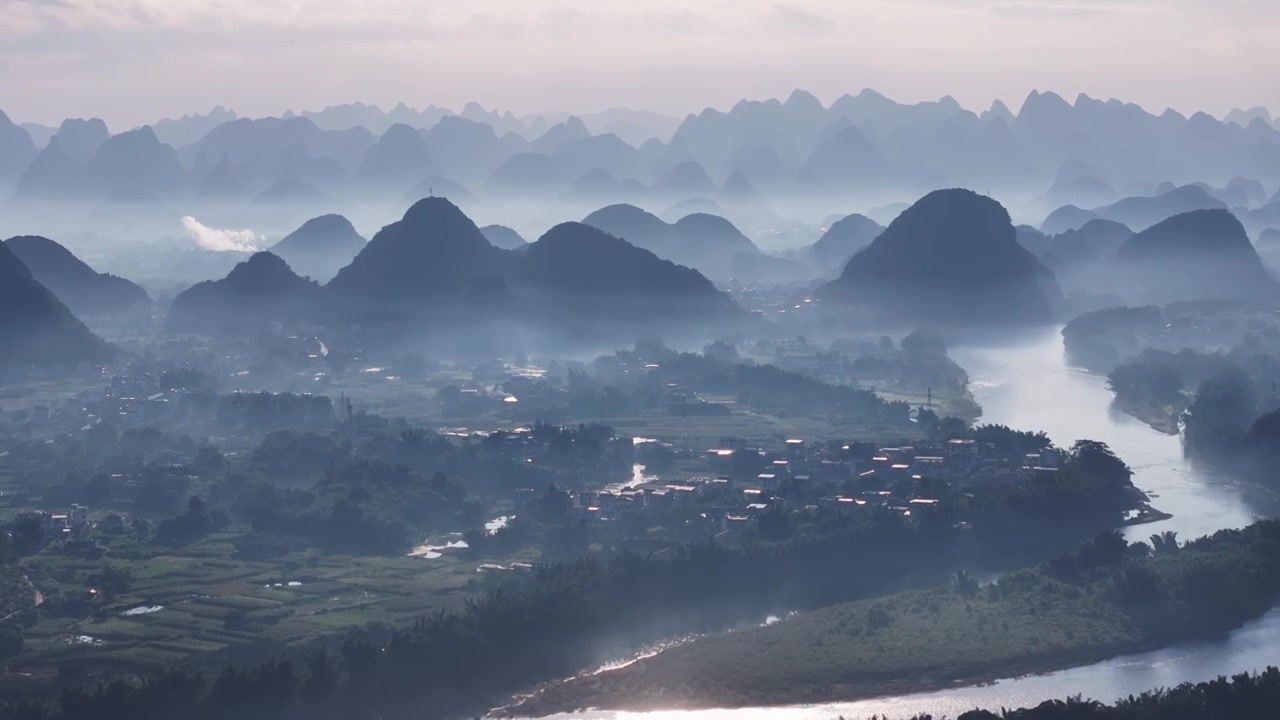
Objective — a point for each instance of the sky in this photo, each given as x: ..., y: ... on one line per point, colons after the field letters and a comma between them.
x: 134, y: 61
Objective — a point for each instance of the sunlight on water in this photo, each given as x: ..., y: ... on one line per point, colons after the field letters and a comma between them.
x: 1028, y: 385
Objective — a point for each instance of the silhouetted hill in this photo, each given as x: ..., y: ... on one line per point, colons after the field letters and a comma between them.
x: 1140, y: 213
x: 320, y: 247
x: 952, y: 258
x: 16, y: 148
x: 638, y: 227
x: 427, y: 259
x: 1068, y: 217
x: 256, y: 293
x: 82, y: 289
x: 1200, y: 255
x: 1080, y: 191
x: 503, y: 237
x: 576, y: 271
x: 713, y: 233
x: 700, y: 240
x: 35, y: 327
x: 845, y: 237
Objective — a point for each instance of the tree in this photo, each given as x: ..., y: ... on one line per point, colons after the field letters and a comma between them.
x: 1165, y: 542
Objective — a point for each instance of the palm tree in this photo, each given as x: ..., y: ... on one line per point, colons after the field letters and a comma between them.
x: 1165, y: 542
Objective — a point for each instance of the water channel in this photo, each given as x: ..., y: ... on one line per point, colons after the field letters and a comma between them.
x: 1027, y: 384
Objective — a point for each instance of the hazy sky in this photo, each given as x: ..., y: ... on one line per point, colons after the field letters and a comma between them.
x: 133, y: 61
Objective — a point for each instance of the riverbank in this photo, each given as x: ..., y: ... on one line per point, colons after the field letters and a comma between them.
x: 1030, y: 622
x: 1165, y: 419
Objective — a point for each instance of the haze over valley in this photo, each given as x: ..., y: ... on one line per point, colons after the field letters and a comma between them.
x: 821, y: 404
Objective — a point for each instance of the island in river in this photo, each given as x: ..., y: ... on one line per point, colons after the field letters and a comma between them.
x: 1106, y: 599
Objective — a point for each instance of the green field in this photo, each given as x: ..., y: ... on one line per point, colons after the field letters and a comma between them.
x: 214, y: 606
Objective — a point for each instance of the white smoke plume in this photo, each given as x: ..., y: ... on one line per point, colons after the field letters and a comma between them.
x: 221, y: 240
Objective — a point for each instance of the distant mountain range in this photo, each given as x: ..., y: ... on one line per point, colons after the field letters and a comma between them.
x: 1092, y: 154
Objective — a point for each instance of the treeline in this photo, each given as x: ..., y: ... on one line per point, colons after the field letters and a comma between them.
x: 570, y: 616
x: 1247, y: 696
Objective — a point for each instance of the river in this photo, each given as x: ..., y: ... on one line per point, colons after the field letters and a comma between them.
x: 1027, y: 384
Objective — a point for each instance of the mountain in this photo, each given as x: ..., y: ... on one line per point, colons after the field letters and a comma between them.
x: 503, y: 237
x: 845, y: 237
x: 951, y: 258
x: 578, y: 272
x: 846, y: 160
x: 1200, y: 255
x: 190, y: 128
x: 320, y: 247
x: 638, y: 227
x: 527, y: 174
x: 699, y: 240
x: 35, y: 327
x: 82, y: 289
x: 1036, y: 242
x: 82, y: 138
x: 397, y: 160
x: 687, y: 179
x: 16, y: 148
x: 1067, y: 217
x: 136, y: 160
x: 1270, y: 236
x: 1094, y: 240
x: 256, y: 294
x: 439, y: 186
x: 424, y: 261
x: 53, y: 174
x: 1140, y: 213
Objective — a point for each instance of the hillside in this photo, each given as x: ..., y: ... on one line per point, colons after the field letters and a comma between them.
x: 429, y: 257
x: 81, y: 288
x: 320, y: 247
x: 953, y: 258
x: 576, y: 270
x: 35, y: 327
x: 256, y: 294
x: 699, y: 240
x: 839, y: 243
x: 1200, y: 255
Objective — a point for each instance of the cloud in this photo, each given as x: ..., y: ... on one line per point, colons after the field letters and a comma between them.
x: 796, y: 18
x: 221, y: 240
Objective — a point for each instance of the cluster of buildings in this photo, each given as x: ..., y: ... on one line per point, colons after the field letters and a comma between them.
x: 801, y: 476
x: 54, y: 524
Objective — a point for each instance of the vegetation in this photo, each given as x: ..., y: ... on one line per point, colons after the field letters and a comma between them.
x: 1105, y: 599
